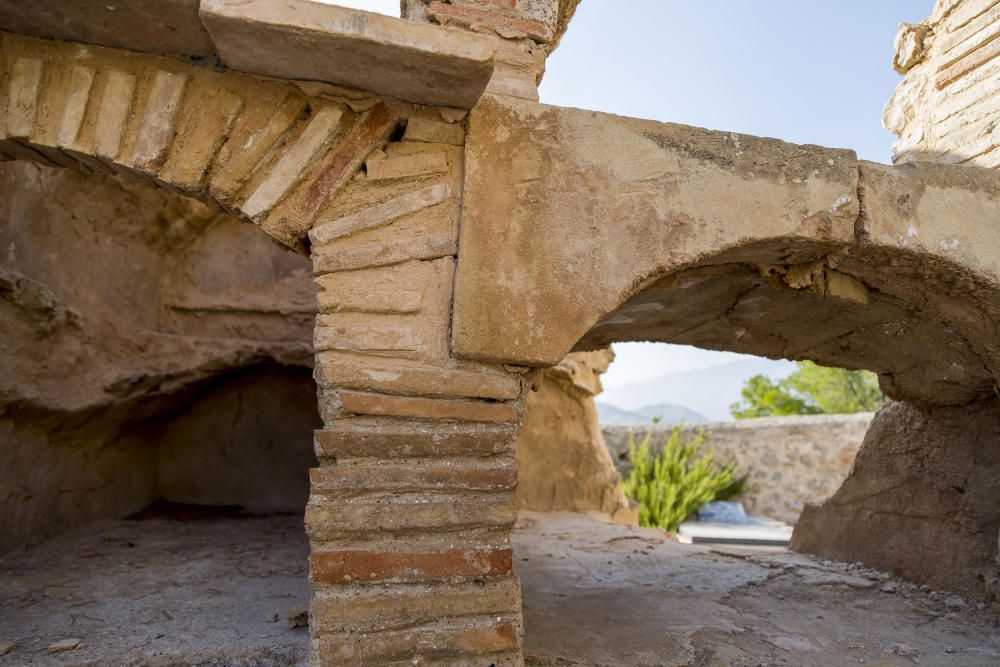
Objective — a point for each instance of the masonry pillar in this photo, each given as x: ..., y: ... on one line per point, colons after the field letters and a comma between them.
x: 413, y: 500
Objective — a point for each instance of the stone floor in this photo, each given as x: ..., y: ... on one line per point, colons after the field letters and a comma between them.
x: 215, y: 590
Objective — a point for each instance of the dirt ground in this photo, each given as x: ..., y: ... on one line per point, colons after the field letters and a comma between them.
x: 603, y: 594
x: 214, y: 591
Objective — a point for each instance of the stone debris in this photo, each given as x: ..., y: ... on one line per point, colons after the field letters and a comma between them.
x: 6, y: 647
x: 298, y: 616
x: 65, y: 645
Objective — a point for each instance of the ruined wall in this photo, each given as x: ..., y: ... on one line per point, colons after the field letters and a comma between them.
x: 120, y: 306
x: 789, y: 461
x: 946, y: 109
x: 921, y: 500
x: 562, y: 462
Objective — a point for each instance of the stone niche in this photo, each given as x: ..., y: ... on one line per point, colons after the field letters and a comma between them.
x: 154, y: 349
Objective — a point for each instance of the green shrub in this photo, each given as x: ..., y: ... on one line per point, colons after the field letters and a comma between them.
x: 675, y: 483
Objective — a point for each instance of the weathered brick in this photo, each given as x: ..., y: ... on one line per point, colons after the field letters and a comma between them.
x: 419, y: 645
x: 402, y: 288
x: 401, y: 376
x: 338, y: 608
x: 406, y: 166
x: 22, y: 102
x: 504, y: 24
x: 423, y: 336
x: 386, y: 438
x: 75, y: 105
x: 201, y: 130
x: 384, y: 253
x: 299, y: 212
x: 355, y: 402
x: 426, y: 130
x: 317, y: 135
x: 113, y: 114
x: 329, y: 518
x: 381, y: 214
x: 361, y: 475
x: 339, y: 567
x: 159, y: 120
x: 255, y: 134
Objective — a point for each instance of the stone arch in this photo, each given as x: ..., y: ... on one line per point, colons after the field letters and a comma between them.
x: 682, y: 227
x: 268, y: 151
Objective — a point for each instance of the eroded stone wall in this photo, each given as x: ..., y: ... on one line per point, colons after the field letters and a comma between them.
x: 562, y: 462
x: 921, y: 500
x: 124, y: 311
x: 788, y: 461
x: 946, y: 109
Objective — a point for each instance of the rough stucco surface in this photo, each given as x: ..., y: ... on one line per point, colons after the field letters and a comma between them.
x: 562, y: 462
x: 788, y: 461
x: 119, y: 306
x: 921, y: 500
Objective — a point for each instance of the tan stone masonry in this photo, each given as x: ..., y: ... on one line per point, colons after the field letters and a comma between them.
x: 451, y: 251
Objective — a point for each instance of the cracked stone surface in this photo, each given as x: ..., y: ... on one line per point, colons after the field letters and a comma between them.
x: 598, y: 594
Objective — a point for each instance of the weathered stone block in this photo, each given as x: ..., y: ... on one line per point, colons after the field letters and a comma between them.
x: 113, y: 114
x: 406, y: 288
x: 353, y: 437
x: 159, y: 120
x: 340, y: 567
x: 431, y: 131
x: 406, y: 166
x: 381, y: 214
x: 317, y: 135
x: 338, y: 608
x: 377, y: 514
x: 352, y: 371
x: 422, y: 474
x: 457, y: 646
x: 362, y: 403
x: 304, y: 40
x: 22, y: 100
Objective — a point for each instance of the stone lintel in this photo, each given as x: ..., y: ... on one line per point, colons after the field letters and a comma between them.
x: 304, y: 40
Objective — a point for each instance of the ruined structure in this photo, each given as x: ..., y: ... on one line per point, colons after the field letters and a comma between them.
x: 452, y: 254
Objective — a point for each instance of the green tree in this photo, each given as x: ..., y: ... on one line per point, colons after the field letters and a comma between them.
x: 811, y: 389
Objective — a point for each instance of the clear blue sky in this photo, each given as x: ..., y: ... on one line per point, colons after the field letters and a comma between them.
x: 807, y: 71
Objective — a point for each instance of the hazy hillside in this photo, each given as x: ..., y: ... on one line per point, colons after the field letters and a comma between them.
x: 707, y: 392
x: 667, y: 413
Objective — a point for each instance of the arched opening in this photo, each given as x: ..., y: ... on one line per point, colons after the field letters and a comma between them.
x: 924, y: 326
x: 156, y: 424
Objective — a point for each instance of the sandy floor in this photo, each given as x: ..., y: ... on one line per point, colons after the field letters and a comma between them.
x: 206, y: 592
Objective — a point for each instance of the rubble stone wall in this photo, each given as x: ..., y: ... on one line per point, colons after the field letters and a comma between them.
x: 946, y: 109
x: 788, y: 461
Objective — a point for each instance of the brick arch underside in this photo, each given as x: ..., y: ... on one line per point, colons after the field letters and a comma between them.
x: 262, y: 150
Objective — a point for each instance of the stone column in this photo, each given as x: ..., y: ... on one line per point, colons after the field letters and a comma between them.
x: 413, y: 500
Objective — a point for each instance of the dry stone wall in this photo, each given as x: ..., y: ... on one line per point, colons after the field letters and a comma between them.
x: 788, y: 461
x: 947, y: 108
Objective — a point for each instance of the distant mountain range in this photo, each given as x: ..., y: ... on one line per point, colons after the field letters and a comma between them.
x: 610, y: 415
x: 705, y: 393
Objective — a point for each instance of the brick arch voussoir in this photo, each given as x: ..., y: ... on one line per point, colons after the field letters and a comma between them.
x: 262, y: 150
